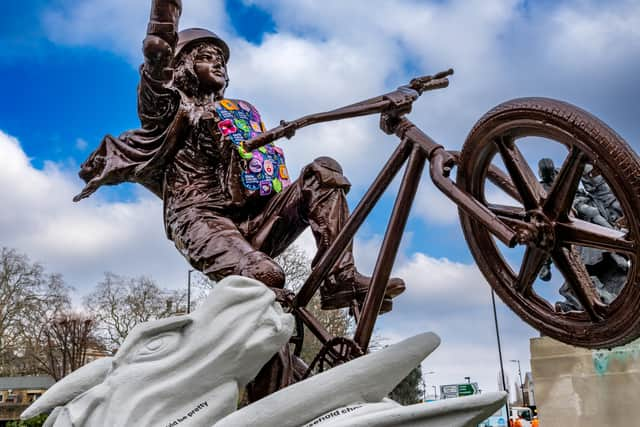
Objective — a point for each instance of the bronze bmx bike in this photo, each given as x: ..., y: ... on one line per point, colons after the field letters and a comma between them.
x: 542, y: 222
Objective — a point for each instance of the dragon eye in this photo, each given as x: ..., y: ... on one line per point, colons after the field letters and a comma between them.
x: 158, y: 346
x: 154, y: 344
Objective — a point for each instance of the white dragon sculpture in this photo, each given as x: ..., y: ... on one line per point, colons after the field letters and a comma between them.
x: 187, y: 371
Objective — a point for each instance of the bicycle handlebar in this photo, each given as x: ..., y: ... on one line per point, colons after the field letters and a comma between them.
x: 407, y: 94
x: 285, y: 129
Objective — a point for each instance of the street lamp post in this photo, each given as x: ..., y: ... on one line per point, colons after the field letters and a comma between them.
x: 521, y: 383
x: 424, y: 385
x: 189, y: 291
x: 435, y: 393
x: 495, y: 319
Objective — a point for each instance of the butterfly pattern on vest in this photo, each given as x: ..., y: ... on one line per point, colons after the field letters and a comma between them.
x: 264, y: 169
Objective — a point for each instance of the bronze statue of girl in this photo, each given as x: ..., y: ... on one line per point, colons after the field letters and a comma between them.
x: 228, y: 211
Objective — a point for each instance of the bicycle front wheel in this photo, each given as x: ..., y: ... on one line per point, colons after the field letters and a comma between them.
x: 578, y: 224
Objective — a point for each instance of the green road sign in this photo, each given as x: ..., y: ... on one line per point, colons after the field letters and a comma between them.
x: 467, y: 389
x: 458, y: 390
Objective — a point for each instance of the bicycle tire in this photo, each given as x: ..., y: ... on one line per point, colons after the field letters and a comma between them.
x: 614, y: 324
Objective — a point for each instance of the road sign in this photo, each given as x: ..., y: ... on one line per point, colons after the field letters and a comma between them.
x: 449, y: 391
x: 467, y: 389
x: 458, y: 390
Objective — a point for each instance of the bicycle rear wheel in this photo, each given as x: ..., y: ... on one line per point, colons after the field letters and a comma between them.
x: 603, y: 300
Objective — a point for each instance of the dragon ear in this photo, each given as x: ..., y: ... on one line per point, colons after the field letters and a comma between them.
x: 74, y: 384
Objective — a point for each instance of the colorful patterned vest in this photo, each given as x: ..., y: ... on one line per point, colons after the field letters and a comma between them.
x: 263, y: 169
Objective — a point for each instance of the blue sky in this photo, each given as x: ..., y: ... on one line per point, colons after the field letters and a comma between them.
x: 69, y: 76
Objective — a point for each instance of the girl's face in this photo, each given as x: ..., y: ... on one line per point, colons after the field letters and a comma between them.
x: 210, y: 68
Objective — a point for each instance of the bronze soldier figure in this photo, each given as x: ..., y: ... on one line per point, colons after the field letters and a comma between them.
x: 595, y: 203
x: 228, y: 211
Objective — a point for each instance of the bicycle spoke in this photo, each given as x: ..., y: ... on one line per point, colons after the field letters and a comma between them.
x: 504, y: 211
x: 583, y: 233
x: 522, y: 177
x: 534, y: 259
x: 575, y: 273
x: 565, y: 185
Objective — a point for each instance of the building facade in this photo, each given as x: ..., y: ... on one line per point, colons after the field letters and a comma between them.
x: 17, y: 393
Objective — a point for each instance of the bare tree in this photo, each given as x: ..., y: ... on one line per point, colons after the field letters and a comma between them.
x: 120, y: 303
x: 296, y: 265
x: 63, y: 343
x: 29, y: 298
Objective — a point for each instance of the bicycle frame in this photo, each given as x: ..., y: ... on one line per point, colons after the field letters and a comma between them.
x: 415, y: 149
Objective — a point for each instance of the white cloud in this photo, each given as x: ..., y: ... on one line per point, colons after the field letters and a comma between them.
x: 82, y: 240
x: 466, y: 35
x: 120, y: 25
x: 442, y: 277
x: 588, y: 35
x: 81, y: 144
x: 433, y: 206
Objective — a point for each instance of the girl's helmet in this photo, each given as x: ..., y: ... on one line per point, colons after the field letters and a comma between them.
x: 193, y: 35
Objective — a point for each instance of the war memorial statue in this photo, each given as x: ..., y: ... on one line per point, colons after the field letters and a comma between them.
x: 594, y: 202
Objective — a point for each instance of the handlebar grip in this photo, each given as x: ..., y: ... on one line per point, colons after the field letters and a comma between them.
x: 437, y: 81
x: 442, y: 74
x: 436, y: 84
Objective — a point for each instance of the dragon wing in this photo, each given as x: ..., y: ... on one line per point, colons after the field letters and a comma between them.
x: 366, y: 379
x: 458, y: 412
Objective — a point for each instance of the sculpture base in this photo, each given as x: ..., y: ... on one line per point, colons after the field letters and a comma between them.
x: 588, y: 388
